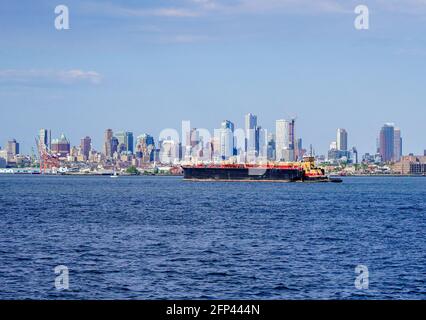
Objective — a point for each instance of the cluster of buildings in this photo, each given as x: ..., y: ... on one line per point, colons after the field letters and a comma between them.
x: 251, y: 144
x: 10, y: 155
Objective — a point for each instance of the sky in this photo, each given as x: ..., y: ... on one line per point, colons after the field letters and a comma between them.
x: 144, y: 66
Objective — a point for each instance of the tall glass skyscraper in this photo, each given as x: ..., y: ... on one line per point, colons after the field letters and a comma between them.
x: 387, y: 142
x: 125, y: 141
x: 250, y: 128
x: 342, y: 140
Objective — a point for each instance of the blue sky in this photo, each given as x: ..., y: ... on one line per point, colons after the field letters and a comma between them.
x: 147, y: 65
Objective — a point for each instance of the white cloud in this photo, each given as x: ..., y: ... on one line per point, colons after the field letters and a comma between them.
x: 43, y: 77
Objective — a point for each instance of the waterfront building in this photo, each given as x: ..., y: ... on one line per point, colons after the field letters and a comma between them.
x: 226, y: 140
x: 85, y: 147
x: 12, y: 148
x: 3, y: 162
x: 411, y: 165
x: 397, y: 145
x: 61, y: 146
x: 387, y: 139
x: 342, y: 140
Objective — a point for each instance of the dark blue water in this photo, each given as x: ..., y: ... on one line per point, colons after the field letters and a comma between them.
x: 163, y: 238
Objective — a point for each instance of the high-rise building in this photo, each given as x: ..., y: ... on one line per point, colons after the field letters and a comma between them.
x: 61, y: 146
x: 45, y: 137
x: 299, y: 151
x: 114, y: 145
x: 250, y: 130
x: 271, y: 146
x: 108, y: 143
x: 85, y: 147
x: 284, y: 143
x: 226, y: 140
x: 342, y: 140
x: 125, y: 141
x: 387, y: 139
x: 397, y: 145
x: 262, y: 143
x: 169, y: 151
x: 12, y: 148
x: 145, y: 148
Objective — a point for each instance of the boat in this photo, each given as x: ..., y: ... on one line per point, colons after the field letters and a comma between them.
x: 114, y: 175
x: 304, y: 171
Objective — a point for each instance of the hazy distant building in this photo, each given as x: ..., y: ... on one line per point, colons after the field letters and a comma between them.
x: 342, y: 140
x: 86, y: 147
x: 226, y: 140
x: 169, y: 151
x: 284, y: 140
x: 271, y: 146
x: 387, y: 142
x: 397, y: 145
x: 12, y: 148
x: 145, y: 148
x: 114, y: 145
x: 61, y: 146
x: 125, y: 141
x: 250, y: 122
x: 108, y: 143
x: 262, y: 143
x: 45, y: 137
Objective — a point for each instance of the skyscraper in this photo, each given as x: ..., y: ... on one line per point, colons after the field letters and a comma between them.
x: 108, y: 143
x: 397, y: 145
x: 114, y: 145
x: 342, y: 140
x: 284, y: 140
x: 12, y: 148
x: 387, y: 138
x: 44, y: 137
x: 250, y: 129
x: 86, y: 146
x: 125, y: 141
x: 262, y: 141
x: 226, y: 140
x: 145, y: 148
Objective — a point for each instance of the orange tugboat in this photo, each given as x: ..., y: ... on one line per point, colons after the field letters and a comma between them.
x: 304, y: 171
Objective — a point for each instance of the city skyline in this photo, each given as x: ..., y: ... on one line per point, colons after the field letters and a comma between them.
x: 140, y: 67
x: 248, y: 144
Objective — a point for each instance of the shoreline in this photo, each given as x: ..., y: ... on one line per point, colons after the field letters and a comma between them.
x: 181, y: 175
